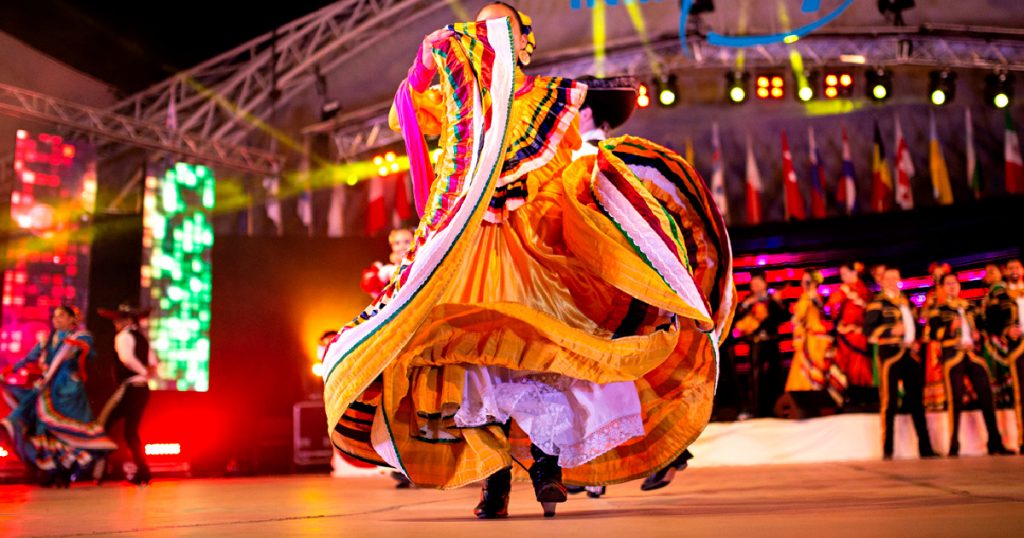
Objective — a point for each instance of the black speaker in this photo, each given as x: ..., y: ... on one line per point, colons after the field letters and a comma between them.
x: 805, y: 404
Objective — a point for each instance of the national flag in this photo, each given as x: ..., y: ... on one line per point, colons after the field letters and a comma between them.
x: 754, y: 186
x: 904, y: 171
x: 937, y: 163
x: 336, y: 213
x: 846, y: 194
x: 973, y: 169
x: 1014, y: 165
x: 404, y: 209
x: 305, y: 209
x: 718, y: 191
x: 376, y: 213
x: 795, y: 208
x: 271, y: 190
x: 816, y: 171
x: 881, y: 177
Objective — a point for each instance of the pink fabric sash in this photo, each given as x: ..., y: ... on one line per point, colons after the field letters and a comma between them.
x: 420, y: 170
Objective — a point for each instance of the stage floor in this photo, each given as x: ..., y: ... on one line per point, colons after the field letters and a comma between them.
x: 970, y: 496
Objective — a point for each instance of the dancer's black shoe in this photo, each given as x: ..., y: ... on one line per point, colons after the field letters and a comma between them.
x: 664, y: 477
x: 547, y: 480
x: 999, y: 450
x: 141, y: 478
x: 401, y: 481
x: 494, y: 496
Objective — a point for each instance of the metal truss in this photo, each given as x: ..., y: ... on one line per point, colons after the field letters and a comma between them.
x: 225, y: 98
x: 879, y: 47
x: 117, y: 128
x: 939, y: 46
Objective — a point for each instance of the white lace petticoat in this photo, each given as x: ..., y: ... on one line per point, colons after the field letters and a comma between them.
x: 573, y: 419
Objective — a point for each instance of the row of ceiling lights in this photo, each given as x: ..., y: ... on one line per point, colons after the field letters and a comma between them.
x: 829, y: 84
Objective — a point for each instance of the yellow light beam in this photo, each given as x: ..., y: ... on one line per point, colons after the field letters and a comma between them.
x: 636, y: 16
x: 600, y: 38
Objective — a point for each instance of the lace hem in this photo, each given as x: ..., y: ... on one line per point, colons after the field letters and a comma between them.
x: 606, y: 438
x: 549, y: 410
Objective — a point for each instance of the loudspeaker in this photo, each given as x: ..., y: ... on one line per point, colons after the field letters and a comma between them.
x: 310, y: 444
x: 805, y: 404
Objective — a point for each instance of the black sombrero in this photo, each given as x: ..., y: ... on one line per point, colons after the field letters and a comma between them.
x: 612, y: 100
x: 123, y: 311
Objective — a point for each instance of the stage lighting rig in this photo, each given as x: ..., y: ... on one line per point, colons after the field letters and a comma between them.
x: 643, y: 96
x: 837, y: 84
x: 807, y: 86
x: 668, y: 90
x: 879, y: 87
x: 737, y: 87
x: 942, y: 87
x: 999, y: 89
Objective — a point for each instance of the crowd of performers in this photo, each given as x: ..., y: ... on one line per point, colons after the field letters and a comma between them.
x: 51, y: 426
x: 558, y: 311
x: 946, y: 354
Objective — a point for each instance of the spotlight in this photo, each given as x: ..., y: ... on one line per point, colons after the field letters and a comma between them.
x: 807, y: 86
x: 999, y: 89
x: 643, y: 96
x: 667, y: 90
x: 329, y: 110
x: 736, y: 86
x: 838, y: 84
x: 942, y: 87
x: 879, y: 86
x: 770, y: 86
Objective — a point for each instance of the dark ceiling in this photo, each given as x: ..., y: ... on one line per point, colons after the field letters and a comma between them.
x: 131, y: 45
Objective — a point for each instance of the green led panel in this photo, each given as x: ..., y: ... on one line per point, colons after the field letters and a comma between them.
x: 177, y: 248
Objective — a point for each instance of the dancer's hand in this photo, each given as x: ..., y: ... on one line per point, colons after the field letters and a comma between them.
x: 426, y: 48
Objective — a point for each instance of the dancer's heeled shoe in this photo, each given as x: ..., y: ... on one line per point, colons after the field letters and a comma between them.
x: 141, y: 478
x: 664, y: 476
x: 494, y: 496
x: 546, y: 476
x: 595, y: 492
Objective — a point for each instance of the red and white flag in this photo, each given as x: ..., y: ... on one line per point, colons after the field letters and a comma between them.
x: 904, y: 171
x: 1014, y: 164
x: 795, y: 208
x: 754, y: 186
x: 404, y: 209
x: 376, y: 212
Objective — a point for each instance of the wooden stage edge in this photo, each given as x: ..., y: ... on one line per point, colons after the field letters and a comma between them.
x: 969, y: 496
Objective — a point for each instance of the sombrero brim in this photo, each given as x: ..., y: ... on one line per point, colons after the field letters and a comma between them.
x: 112, y: 314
